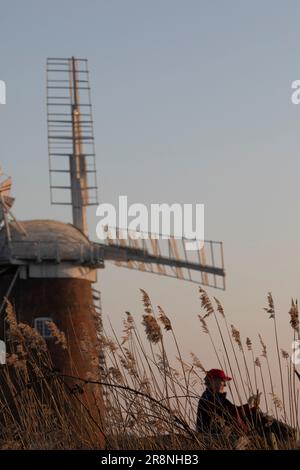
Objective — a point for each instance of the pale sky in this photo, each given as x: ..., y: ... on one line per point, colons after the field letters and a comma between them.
x: 191, y: 103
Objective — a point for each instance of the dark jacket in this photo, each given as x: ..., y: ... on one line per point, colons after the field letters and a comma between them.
x: 215, y: 412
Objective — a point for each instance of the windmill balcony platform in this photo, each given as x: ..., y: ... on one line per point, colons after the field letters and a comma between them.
x: 48, y: 241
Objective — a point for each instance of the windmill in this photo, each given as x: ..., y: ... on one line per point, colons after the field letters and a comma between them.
x: 48, y: 267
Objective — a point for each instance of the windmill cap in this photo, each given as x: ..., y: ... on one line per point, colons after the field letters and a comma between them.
x: 217, y: 373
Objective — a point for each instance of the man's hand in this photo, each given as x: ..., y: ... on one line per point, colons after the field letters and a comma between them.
x: 254, y: 400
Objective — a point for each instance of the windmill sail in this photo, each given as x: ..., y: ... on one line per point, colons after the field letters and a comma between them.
x: 70, y: 137
x: 6, y: 203
x: 167, y: 257
x: 73, y: 182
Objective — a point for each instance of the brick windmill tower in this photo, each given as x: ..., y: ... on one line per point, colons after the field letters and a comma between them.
x: 47, y: 267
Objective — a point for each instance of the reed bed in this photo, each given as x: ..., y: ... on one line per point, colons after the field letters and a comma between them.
x: 150, y: 396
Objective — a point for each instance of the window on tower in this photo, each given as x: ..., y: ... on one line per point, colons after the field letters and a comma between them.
x: 40, y: 324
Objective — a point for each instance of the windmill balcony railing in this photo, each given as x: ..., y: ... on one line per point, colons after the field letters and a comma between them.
x: 40, y: 251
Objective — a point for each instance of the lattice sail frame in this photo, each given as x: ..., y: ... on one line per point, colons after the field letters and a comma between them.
x: 73, y: 181
x: 6, y: 203
x: 170, y: 257
x: 71, y: 146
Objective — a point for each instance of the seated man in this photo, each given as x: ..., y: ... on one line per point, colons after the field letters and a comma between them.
x: 216, y: 413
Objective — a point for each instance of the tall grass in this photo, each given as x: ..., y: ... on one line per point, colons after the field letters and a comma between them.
x: 40, y: 408
x: 150, y: 396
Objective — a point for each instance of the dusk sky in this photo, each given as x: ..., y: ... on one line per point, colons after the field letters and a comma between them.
x: 192, y: 104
